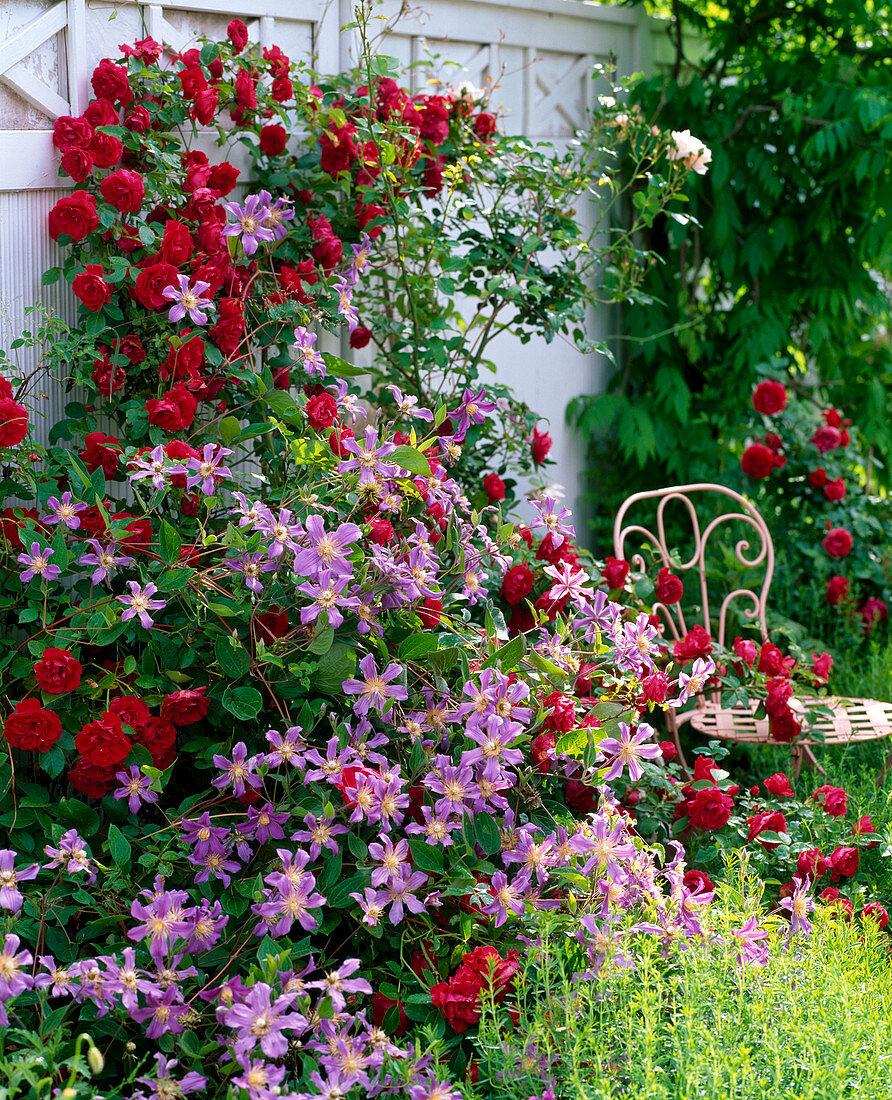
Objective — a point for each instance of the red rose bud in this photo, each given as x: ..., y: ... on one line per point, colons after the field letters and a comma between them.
x: 837, y: 590
x: 874, y: 911
x: 669, y: 751
x: 360, y: 337
x: 821, y: 665
x: 322, y: 411
x: 615, y: 572
x: 430, y: 613
x: 655, y: 687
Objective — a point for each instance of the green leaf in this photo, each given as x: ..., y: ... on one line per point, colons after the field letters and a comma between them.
x: 337, y: 665
x: 508, y: 656
x: 411, y: 459
x: 244, y: 702
x: 171, y: 544
x: 426, y: 857
x: 229, y: 429
x: 486, y: 833
x: 323, y: 641
x: 339, y: 895
x: 119, y: 846
x: 232, y: 658
x: 340, y: 367
x: 418, y: 645
x: 282, y: 405
x: 78, y: 813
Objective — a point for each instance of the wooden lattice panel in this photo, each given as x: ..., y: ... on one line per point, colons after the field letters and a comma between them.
x: 853, y: 720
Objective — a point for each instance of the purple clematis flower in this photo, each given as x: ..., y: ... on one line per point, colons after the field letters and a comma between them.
x: 277, y: 213
x: 368, y: 458
x: 10, y: 895
x: 346, y: 308
x: 693, y: 684
x: 799, y: 905
x: 551, y: 517
x: 261, y: 1019
x: 252, y: 565
x: 472, y: 409
x: 307, y: 355
x: 327, y: 594
x: 187, y: 298
x: 326, y: 549
x: 408, y: 406
x: 63, y: 511
x: 163, y: 1084
x: 104, y: 558
x: 251, y: 223
x: 628, y: 750
x: 136, y: 788
x: 156, y: 466
x: 140, y: 603
x: 37, y: 564
x: 13, y: 977
x: 375, y: 688
x: 208, y: 469
x: 239, y: 771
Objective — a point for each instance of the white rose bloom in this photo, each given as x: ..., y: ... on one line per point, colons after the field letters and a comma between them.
x: 690, y: 151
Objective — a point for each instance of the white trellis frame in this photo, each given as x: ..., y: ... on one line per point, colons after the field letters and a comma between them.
x: 542, y: 50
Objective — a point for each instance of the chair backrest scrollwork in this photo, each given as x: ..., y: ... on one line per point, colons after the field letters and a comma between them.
x: 761, y: 558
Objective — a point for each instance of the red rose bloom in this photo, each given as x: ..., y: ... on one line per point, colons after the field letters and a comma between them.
x: 696, y: 643
x: 223, y: 178
x: 13, y: 422
x: 834, y: 800
x: 109, y: 81
x: 835, y: 490
x: 430, y: 613
x: 773, y: 663
x: 704, y: 766
x: 483, y: 973
x: 779, y: 785
x: 77, y: 163
x: 669, y: 751
x: 746, y: 651
x: 521, y: 620
x: 770, y: 397
x: 757, y: 461
x: 57, y: 672
x: 837, y: 542
x: 821, y: 665
x: 766, y: 822
x: 72, y: 133
x: 517, y: 583
x: 138, y: 120
x: 484, y: 125
x: 875, y: 911
x: 494, y: 488
x: 697, y: 881
x: 245, y: 94
x: 185, y: 706
x: 272, y: 140
x: 204, y: 106
x: 873, y: 611
x: 160, y: 738
x: 818, y: 478
x: 237, y: 33
x: 92, y: 780
x: 826, y: 439
x: 327, y: 249
x: 272, y: 624
x: 381, y: 532
x: 75, y: 216
x: 124, y: 189
x: 540, y: 445
x: 615, y: 572
x: 91, y: 288
x: 580, y: 798
x: 132, y: 711
x: 655, y: 687
x: 837, y: 590
x: 322, y: 411
x: 669, y: 587
x: 863, y: 826
x: 104, y: 742
x: 336, y: 441
x: 175, y: 411
x: 101, y: 450
x: 150, y: 283
x: 562, y: 713
x: 31, y: 727
x: 844, y: 862
x: 710, y: 809
x: 811, y: 863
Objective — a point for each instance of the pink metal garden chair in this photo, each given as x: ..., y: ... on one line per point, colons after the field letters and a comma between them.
x: 852, y: 719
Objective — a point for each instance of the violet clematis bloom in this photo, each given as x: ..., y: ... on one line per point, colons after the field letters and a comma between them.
x: 571, y: 584
x: 239, y: 771
x: 307, y: 355
x: 136, y: 788
x: 551, y: 517
x: 251, y: 223
x: 163, y: 1084
x: 327, y: 594
x: 155, y: 466
x: 628, y: 750
x: 326, y: 549
x: 346, y: 308
x: 208, y: 469
x: 749, y: 940
x: 72, y: 854
x: 63, y: 511
x: 104, y: 558
x: 37, y: 564
x: 694, y: 683
x: 262, y: 1019
x: 507, y: 897
x: 472, y: 409
x: 13, y: 976
x: 288, y: 748
x: 277, y: 213
x: 362, y: 254
x: 375, y: 689
x: 10, y: 895
x: 252, y: 566
x: 799, y: 905
x: 368, y: 458
x: 337, y: 983
x: 140, y: 603
x: 188, y: 299
x: 408, y: 406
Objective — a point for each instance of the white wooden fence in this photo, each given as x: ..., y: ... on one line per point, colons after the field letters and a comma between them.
x: 545, y: 50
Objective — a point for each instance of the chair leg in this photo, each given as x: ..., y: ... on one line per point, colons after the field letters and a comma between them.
x: 881, y: 774
x: 673, y: 729
x: 802, y: 754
